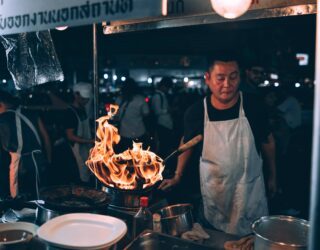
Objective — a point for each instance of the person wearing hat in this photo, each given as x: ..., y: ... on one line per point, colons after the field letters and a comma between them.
x: 78, y: 128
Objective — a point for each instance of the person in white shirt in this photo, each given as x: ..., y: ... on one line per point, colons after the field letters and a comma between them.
x: 291, y: 111
x: 132, y: 111
x: 164, y: 123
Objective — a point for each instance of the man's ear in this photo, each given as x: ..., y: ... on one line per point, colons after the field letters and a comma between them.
x: 206, y: 77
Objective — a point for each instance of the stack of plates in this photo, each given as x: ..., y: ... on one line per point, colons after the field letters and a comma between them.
x: 83, y: 231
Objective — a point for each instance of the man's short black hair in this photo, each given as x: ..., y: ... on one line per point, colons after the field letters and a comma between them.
x: 223, y: 56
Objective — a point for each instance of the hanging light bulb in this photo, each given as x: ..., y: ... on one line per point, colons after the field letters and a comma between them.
x: 61, y: 28
x: 230, y: 8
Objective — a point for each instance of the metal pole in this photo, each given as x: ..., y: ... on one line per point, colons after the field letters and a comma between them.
x: 95, y: 81
x: 314, y: 240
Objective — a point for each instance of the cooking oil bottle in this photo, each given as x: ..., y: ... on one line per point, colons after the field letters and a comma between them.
x: 143, y: 219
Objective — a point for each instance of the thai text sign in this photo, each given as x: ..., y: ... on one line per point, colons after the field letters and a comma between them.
x: 18, y: 16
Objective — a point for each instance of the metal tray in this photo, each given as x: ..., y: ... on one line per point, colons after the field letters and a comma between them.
x: 149, y: 240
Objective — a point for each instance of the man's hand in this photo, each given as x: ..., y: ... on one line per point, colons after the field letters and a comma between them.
x: 167, y: 184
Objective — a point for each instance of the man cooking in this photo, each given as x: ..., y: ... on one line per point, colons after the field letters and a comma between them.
x: 235, y: 132
x: 78, y: 129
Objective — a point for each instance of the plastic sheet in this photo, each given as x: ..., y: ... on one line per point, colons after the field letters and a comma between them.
x: 32, y: 59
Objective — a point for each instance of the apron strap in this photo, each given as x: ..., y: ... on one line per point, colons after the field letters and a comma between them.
x: 79, y: 128
x: 19, y: 117
x: 206, y: 116
x: 241, y: 109
x: 19, y: 133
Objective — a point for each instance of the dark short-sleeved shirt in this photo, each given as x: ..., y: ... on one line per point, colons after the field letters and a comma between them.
x: 8, y: 132
x: 71, y: 119
x: 254, y: 109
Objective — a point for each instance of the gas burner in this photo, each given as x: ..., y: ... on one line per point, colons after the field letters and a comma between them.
x: 127, y: 213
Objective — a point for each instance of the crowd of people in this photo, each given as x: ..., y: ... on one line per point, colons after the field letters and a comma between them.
x: 247, y: 165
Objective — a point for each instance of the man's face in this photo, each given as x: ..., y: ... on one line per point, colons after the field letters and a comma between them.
x: 223, y: 80
x: 255, y: 75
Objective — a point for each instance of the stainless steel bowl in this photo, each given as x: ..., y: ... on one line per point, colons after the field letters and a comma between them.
x: 176, y: 219
x: 280, y: 233
x: 16, y: 236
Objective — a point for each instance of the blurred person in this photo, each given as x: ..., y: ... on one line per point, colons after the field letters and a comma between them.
x: 235, y: 135
x: 290, y: 109
x: 4, y: 174
x: 130, y: 117
x: 78, y: 130
x: 254, y: 75
x: 293, y: 145
x: 164, y: 122
x: 24, y: 136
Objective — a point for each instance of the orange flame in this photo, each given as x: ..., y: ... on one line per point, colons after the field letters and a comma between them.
x: 133, y: 169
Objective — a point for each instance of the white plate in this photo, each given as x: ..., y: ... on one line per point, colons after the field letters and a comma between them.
x: 83, y: 231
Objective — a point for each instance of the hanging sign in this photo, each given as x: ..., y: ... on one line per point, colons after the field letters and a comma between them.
x: 17, y: 16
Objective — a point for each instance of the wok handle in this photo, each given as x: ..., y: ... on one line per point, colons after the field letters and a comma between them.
x: 189, y: 144
x: 195, y: 140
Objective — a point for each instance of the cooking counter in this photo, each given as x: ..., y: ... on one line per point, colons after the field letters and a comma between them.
x: 152, y: 240
x: 215, y: 242
x: 217, y: 239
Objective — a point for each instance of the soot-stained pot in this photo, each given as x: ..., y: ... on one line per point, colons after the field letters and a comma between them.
x: 58, y: 200
x: 125, y: 198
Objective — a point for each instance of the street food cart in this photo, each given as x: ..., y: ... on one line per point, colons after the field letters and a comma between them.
x: 141, y: 15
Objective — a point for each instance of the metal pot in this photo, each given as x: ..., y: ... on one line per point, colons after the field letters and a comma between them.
x: 44, y: 214
x: 280, y: 233
x: 176, y: 219
x: 125, y: 198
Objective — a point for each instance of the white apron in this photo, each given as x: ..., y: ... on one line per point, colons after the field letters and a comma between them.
x: 15, y: 156
x: 81, y: 150
x: 232, y: 184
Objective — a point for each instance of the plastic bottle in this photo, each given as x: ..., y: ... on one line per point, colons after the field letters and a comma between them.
x: 157, y: 223
x: 143, y: 219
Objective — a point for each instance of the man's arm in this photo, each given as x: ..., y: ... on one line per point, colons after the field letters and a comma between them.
x: 181, y: 165
x: 268, y: 151
x: 76, y: 139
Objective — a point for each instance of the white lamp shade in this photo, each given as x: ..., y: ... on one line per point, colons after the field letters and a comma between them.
x: 61, y: 28
x: 230, y: 8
